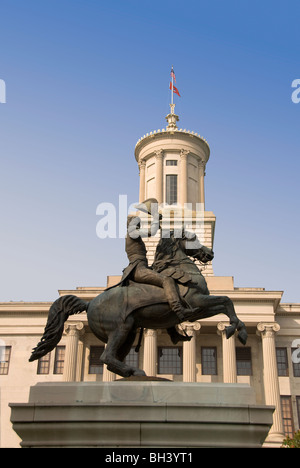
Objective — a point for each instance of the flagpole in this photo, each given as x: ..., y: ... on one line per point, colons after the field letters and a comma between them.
x: 172, y: 93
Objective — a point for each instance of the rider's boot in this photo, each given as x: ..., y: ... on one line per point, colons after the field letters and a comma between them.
x: 170, y: 289
x: 182, y: 312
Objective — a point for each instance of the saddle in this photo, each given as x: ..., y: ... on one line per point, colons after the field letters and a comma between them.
x: 137, y: 295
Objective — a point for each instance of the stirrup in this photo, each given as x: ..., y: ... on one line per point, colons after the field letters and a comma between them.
x: 184, y: 314
x: 180, y: 315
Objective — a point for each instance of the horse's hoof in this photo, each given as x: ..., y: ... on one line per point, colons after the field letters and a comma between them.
x: 185, y: 338
x: 176, y: 337
x: 229, y: 331
x: 242, y: 336
x: 139, y: 372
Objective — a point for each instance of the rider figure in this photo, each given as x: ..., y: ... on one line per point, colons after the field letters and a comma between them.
x: 138, y: 264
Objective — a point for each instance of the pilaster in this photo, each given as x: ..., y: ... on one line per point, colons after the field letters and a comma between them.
x: 142, y: 169
x: 183, y: 177
x: 159, y: 176
x: 201, y: 171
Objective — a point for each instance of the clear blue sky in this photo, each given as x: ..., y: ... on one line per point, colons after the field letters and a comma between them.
x: 87, y: 78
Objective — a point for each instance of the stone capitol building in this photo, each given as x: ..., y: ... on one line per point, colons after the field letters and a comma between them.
x: 172, y: 164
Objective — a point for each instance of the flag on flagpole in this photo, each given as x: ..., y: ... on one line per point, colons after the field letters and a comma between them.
x: 173, y: 74
x: 175, y: 90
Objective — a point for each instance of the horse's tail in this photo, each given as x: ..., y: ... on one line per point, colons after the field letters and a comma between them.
x: 59, y: 312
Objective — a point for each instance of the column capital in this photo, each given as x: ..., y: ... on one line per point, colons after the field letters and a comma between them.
x: 150, y: 332
x: 184, y: 153
x: 74, y: 328
x: 267, y: 329
x: 191, y: 326
x: 221, y: 327
x: 159, y: 153
x: 202, y: 166
x: 142, y: 163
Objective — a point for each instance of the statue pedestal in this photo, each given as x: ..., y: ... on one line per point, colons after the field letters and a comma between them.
x: 141, y: 414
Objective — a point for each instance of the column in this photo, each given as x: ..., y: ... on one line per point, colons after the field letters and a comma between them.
x: 150, y: 352
x: 271, y: 383
x: 159, y: 176
x: 229, y: 355
x: 201, y: 166
x: 73, y: 331
x: 79, y: 359
x: 183, y: 177
x: 142, y: 168
x: 108, y: 376
x: 189, y: 352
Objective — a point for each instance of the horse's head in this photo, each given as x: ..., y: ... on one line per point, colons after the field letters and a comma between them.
x: 174, y: 245
x: 193, y: 248
x: 204, y: 255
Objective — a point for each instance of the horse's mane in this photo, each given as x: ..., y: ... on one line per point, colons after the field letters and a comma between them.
x: 166, y: 249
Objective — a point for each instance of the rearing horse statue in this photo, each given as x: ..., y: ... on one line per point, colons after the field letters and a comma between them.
x: 115, y: 315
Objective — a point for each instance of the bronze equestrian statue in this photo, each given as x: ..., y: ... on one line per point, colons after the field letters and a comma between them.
x: 115, y: 315
x: 138, y: 269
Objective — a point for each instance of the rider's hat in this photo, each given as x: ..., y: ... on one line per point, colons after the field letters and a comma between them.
x: 149, y: 206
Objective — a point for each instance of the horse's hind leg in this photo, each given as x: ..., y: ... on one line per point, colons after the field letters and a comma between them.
x: 212, y: 305
x: 235, y: 322
x: 121, y: 338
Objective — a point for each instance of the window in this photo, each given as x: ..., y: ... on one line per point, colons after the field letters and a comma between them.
x: 171, y: 162
x: 59, y: 360
x: 298, y: 409
x: 209, y: 361
x: 296, y: 365
x: 282, y: 362
x: 132, y: 358
x: 243, y: 361
x: 96, y: 366
x: 170, y: 360
x: 44, y: 364
x: 287, y: 417
x: 5, y: 352
x: 171, y: 189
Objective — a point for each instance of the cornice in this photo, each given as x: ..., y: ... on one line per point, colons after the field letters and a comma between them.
x: 251, y: 293
x: 24, y: 307
x: 288, y: 310
x: 165, y: 134
x: 251, y: 296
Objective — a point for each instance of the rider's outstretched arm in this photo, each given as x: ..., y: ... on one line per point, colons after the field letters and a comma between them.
x: 154, y: 227
x: 135, y: 230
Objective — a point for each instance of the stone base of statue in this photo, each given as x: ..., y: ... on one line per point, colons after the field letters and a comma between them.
x: 141, y: 413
